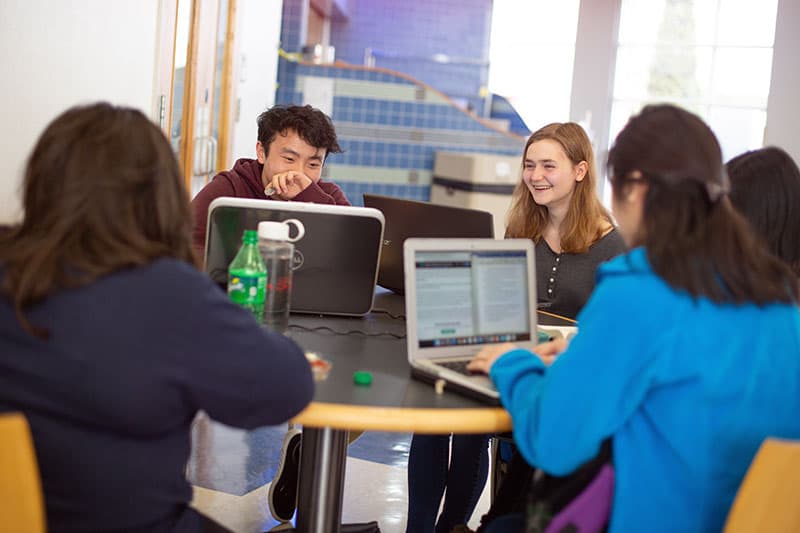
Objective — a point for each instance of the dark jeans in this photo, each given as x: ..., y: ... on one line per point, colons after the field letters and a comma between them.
x: 507, y: 523
x: 512, y: 493
x: 429, y: 474
x: 186, y: 520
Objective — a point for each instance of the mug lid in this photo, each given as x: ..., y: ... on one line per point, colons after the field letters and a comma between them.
x: 276, y: 231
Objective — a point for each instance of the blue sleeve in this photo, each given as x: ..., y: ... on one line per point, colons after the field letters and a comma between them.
x: 562, y: 413
x: 238, y: 372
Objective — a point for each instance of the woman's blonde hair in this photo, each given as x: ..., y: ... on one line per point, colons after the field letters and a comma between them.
x: 583, y: 225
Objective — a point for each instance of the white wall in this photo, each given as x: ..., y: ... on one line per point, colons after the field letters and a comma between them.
x: 783, y: 106
x: 56, y: 54
x: 258, y: 31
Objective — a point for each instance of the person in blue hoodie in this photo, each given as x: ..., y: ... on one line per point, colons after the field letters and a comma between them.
x: 688, y: 350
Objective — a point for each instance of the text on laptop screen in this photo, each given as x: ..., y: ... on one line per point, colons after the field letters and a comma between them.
x: 471, y: 297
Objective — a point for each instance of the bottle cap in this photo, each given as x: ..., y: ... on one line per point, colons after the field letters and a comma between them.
x: 362, y: 378
x: 250, y: 236
x: 276, y: 231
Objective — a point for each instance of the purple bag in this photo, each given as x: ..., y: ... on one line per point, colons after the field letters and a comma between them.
x: 577, y: 503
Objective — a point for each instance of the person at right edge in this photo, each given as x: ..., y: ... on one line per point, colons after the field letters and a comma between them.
x: 765, y: 188
x: 556, y: 205
x: 687, y: 352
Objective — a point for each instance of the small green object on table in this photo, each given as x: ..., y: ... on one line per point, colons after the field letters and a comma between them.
x: 362, y: 378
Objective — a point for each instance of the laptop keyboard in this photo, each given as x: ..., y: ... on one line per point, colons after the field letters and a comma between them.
x: 457, y: 366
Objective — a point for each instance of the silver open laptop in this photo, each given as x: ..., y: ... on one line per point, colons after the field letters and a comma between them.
x: 463, y: 295
x: 335, y: 263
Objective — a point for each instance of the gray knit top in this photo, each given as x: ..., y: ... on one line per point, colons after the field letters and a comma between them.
x: 564, y: 281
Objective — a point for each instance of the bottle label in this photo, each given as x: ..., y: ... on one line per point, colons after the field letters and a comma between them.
x: 248, y: 290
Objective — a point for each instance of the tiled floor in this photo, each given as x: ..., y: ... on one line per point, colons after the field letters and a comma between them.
x: 231, y: 470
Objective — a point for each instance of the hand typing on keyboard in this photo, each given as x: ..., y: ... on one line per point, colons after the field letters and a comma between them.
x: 458, y: 366
x: 546, y: 351
x: 483, y: 360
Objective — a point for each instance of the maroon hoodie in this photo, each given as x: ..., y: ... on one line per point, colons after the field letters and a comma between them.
x: 244, y: 181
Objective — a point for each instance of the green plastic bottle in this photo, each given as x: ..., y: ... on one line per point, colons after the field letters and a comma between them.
x: 247, y: 276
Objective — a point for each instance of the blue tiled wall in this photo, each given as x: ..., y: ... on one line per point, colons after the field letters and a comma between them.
x: 389, y: 125
x: 294, y: 24
x: 355, y: 191
x: 406, y: 34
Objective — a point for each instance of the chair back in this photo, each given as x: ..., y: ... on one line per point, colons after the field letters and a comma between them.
x: 768, y: 498
x: 21, y: 501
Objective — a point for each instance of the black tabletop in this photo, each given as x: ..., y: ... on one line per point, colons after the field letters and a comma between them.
x: 375, y: 344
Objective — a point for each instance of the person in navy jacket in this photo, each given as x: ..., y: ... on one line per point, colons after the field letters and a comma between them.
x: 111, y: 340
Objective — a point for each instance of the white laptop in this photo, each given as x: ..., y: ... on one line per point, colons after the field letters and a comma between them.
x: 335, y: 263
x: 463, y: 295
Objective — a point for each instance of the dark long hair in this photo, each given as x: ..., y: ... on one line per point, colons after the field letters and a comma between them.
x: 102, y: 192
x: 765, y: 188
x: 582, y: 226
x: 694, y: 238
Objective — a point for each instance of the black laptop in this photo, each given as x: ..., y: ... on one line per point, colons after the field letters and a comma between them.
x: 335, y: 263
x: 411, y: 218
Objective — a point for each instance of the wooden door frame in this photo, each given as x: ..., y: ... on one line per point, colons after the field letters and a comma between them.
x: 226, y: 90
x: 165, y: 82
x: 186, y: 150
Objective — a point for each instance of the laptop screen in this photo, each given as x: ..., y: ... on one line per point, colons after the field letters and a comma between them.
x: 471, y: 297
x: 410, y: 218
x: 335, y: 263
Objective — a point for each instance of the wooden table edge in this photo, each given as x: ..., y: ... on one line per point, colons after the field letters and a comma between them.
x: 405, y: 419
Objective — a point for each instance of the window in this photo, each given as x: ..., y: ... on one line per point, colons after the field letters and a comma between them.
x: 531, y: 54
x: 713, y: 57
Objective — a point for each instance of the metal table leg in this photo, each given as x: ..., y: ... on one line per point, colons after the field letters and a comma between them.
x: 323, y: 456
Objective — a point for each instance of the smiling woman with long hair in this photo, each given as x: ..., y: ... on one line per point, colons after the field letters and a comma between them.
x: 555, y: 204
x: 111, y: 340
